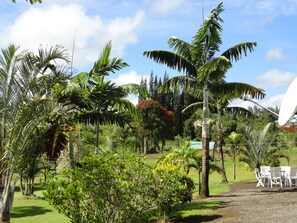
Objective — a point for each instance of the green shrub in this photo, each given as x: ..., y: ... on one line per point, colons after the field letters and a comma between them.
x: 112, y: 188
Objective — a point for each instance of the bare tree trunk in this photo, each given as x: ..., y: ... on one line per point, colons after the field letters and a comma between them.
x: 205, y: 145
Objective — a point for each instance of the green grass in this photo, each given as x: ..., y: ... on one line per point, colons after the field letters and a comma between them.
x: 34, y: 209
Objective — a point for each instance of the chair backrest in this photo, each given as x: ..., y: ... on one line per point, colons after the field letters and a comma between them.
x: 286, y: 170
x: 293, y: 172
x: 265, y: 170
x: 275, y: 172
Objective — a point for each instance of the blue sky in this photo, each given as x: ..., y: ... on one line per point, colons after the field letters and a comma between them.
x: 134, y: 26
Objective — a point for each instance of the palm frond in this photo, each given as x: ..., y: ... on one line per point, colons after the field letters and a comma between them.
x: 180, y: 47
x: 236, y: 90
x: 235, y: 53
x: 186, y: 82
x: 192, y: 108
x: 105, y: 65
x: 214, y: 69
x: 135, y: 89
x: 239, y: 111
x: 208, y: 38
x: 172, y: 60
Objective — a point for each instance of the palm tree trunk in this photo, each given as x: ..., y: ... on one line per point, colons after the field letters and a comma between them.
x: 6, y: 205
x: 71, y: 149
x: 97, y: 139
x: 234, y: 168
x: 205, y: 145
x: 220, y: 146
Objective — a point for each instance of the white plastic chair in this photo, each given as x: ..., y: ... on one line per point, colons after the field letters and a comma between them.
x: 265, y: 174
x: 291, y: 176
x: 265, y: 170
x: 275, y: 176
x: 261, y: 178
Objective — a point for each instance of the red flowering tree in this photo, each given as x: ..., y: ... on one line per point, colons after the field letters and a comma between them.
x: 156, y: 123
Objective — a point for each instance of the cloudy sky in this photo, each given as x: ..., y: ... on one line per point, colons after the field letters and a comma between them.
x: 134, y: 26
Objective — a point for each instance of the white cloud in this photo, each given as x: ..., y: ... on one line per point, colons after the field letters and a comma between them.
x: 56, y: 24
x: 272, y: 101
x: 165, y: 6
x: 133, y: 99
x: 276, y: 54
x: 276, y: 78
x: 129, y: 78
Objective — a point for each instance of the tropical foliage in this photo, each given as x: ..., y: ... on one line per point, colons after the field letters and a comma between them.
x: 26, y: 106
x: 258, y: 150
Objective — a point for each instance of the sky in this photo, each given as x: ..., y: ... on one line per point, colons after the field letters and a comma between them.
x: 135, y: 26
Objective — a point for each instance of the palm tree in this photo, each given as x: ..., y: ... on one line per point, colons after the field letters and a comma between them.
x: 202, y: 67
x: 221, y: 94
x: 97, y: 100
x: 257, y: 149
x: 181, y: 156
x: 233, y: 149
x: 24, y: 108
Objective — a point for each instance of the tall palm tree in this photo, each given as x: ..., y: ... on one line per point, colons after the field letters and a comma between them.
x: 97, y: 100
x: 24, y: 107
x: 202, y: 67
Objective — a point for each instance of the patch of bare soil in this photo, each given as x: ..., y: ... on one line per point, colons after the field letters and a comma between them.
x: 245, y: 202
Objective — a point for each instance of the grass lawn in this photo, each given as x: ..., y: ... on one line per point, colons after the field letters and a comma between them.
x: 35, y: 210
x: 39, y: 211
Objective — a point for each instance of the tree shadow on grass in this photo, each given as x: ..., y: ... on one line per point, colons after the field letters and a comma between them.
x: 196, y: 219
x: 20, y: 212
x: 192, y: 217
x: 201, y: 205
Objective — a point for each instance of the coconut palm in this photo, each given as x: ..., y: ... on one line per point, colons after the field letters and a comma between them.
x: 198, y: 61
x: 24, y: 108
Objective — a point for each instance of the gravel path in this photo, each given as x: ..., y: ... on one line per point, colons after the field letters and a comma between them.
x: 250, y: 204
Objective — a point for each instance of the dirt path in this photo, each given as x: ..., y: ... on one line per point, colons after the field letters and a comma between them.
x: 247, y: 203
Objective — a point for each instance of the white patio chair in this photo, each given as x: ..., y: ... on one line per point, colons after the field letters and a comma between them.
x: 265, y: 170
x: 275, y: 176
x: 265, y: 173
x: 261, y: 178
x: 291, y: 176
